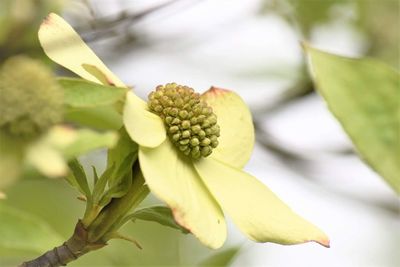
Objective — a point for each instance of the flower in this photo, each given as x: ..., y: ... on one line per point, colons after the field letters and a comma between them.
x: 197, y: 189
x: 31, y: 117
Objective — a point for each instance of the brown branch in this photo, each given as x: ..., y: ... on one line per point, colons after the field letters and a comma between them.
x: 70, y: 250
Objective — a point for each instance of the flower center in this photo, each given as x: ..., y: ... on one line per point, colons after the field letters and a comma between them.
x: 190, y: 121
x: 31, y: 100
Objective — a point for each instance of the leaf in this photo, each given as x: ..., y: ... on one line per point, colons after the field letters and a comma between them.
x: 237, y: 131
x: 100, y: 186
x: 21, y: 230
x: 102, y: 118
x: 159, y: 214
x: 255, y: 209
x: 88, y: 140
x: 80, y: 177
x: 122, y: 149
x: 80, y: 93
x: 220, y: 259
x: 364, y: 95
x: 120, y: 181
x: 11, y: 158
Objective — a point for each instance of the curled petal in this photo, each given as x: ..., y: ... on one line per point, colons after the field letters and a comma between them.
x: 173, y: 179
x: 257, y: 211
x: 144, y: 127
x: 64, y: 46
x: 237, y: 131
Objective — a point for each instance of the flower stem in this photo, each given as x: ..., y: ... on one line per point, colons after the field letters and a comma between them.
x: 76, y: 246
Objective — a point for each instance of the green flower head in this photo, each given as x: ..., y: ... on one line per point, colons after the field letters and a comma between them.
x: 31, y: 100
x: 189, y: 120
x: 199, y: 190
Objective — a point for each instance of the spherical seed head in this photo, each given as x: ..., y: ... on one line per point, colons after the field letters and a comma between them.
x: 190, y: 122
x: 31, y: 100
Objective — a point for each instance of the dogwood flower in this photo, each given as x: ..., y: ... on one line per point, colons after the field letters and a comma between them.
x: 192, y: 149
x: 31, y: 115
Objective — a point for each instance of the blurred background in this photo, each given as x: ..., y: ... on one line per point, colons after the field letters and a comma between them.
x: 251, y: 47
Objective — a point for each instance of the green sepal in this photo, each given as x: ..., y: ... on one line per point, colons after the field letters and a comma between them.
x: 159, y: 214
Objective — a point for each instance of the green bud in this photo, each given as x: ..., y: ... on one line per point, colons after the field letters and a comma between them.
x: 190, y: 121
x: 31, y: 100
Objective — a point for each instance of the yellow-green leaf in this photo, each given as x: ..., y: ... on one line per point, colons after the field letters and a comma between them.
x: 80, y: 93
x: 172, y: 178
x: 255, y: 209
x: 160, y: 214
x: 64, y: 46
x: 144, y: 127
x: 24, y: 231
x: 47, y: 159
x: 11, y: 158
x: 102, y: 117
x: 237, y: 131
x: 364, y: 95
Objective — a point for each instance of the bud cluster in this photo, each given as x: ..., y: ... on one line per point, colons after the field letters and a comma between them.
x: 31, y: 100
x: 190, y: 122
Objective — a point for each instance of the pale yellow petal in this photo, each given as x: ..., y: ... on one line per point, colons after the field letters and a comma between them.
x: 47, y: 160
x: 255, y: 209
x: 173, y: 179
x: 144, y: 127
x: 237, y: 131
x: 64, y: 46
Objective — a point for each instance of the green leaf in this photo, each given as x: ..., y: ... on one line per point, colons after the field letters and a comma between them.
x: 101, y: 183
x: 102, y: 118
x: 80, y: 93
x: 220, y: 259
x: 80, y: 177
x: 122, y: 149
x: 364, y: 95
x: 21, y: 230
x: 160, y: 214
x: 120, y: 181
x: 88, y: 140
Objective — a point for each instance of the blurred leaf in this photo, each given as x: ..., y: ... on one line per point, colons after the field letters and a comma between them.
x: 103, y: 118
x: 160, y: 214
x: 80, y: 93
x: 220, y: 259
x: 88, y: 140
x: 21, y: 230
x: 11, y: 158
x: 78, y: 174
x: 364, y: 95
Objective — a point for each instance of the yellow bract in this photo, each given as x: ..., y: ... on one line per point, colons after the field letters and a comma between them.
x: 144, y: 127
x: 172, y: 178
x: 187, y: 186
x: 255, y: 209
x: 236, y: 141
x: 64, y: 46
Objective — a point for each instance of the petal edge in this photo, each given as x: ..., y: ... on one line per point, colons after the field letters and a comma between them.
x: 255, y: 209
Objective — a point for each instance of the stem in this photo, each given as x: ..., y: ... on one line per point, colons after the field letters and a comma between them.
x: 97, y: 229
x: 76, y: 246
